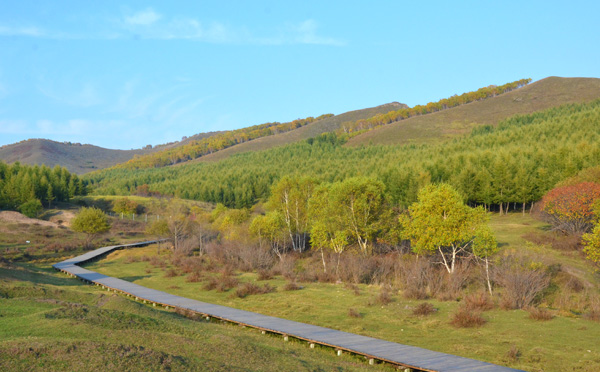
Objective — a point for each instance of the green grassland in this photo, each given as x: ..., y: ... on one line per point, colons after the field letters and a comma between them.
x: 51, y: 322
x: 566, y: 342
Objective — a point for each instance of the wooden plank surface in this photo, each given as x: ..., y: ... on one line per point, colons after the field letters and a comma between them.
x: 404, y: 355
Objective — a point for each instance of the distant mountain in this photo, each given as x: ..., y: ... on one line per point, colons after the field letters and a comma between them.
x: 537, y: 96
x: 77, y: 158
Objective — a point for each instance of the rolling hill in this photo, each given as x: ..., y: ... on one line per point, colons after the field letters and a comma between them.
x: 77, y: 158
x: 537, y: 96
x: 312, y: 130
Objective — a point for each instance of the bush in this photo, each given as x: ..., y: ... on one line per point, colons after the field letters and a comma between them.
x: 480, y: 301
x: 513, y: 354
x: 537, y: 313
x: 353, y: 313
x: 522, y: 281
x: 570, y: 208
x: 91, y: 221
x: 264, y: 274
x: 384, y: 297
x: 193, y: 277
x: 31, y: 208
x: 291, y: 286
x: 125, y: 206
x: 467, y: 318
x: 424, y: 309
x: 247, y: 289
x: 222, y: 283
x: 171, y: 273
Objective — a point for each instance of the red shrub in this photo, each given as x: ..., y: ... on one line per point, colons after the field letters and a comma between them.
x: 570, y: 208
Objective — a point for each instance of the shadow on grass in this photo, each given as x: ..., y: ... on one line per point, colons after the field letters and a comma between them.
x: 36, y: 276
x: 134, y: 278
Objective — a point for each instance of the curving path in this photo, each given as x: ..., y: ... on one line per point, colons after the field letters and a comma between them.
x: 372, y: 348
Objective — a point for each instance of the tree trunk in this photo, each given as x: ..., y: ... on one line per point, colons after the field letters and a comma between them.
x: 323, y: 260
x: 487, y: 275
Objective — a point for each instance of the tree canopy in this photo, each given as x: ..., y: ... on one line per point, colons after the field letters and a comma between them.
x: 91, y: 221
x: 494, y: 166
x: 440, y: 223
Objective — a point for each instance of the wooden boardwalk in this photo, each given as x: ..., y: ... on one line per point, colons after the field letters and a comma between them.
x: 373, y: 349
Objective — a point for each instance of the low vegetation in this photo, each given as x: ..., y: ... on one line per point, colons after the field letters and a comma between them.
x: 50, y: 322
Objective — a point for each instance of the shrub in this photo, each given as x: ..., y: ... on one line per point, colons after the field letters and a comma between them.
x: 193, y: 277
x: 570, y: 208
x: 264, y: 274
x: 513, y: 354
x: 353, y: 313
x: 91, y: 221
x: 171, y: 273
x: 384, y: 297
x: 424, y: 309
x: 132, y: 259
x: 522, y: 281
x: 291, y: 286
x: 247, y: 289
x: 467, y: 318
x: 221, y: 283
x: 31, y: 208
x: 594, y: 311
x: 480, y: 301
x: 537, y: 313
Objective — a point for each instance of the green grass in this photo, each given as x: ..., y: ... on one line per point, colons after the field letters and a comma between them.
x: 50, y: 322
x: 556, y: 345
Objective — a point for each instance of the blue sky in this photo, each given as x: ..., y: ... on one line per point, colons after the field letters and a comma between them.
x: 127, y: 74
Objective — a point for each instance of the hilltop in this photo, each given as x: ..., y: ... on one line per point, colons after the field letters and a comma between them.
x: 537, y: 96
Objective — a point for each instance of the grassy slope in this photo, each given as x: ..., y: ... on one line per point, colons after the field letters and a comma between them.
x: 559, y: 344
x: 543, y: 94
x: 311, y: 130
x: 51, y: 322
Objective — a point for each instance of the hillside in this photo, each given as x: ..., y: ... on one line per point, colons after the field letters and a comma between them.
x: 540, y: 95
x: 78, y: 158
x: 509, y: 163
x: 312, y: 130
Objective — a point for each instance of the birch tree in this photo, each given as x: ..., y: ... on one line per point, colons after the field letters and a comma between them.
x: 439, y: 222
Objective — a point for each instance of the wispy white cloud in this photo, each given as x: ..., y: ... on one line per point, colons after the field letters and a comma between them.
x: 85, y: 95
x: 306, y: 33
x: 145, y: 17
x: 152, y: 25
